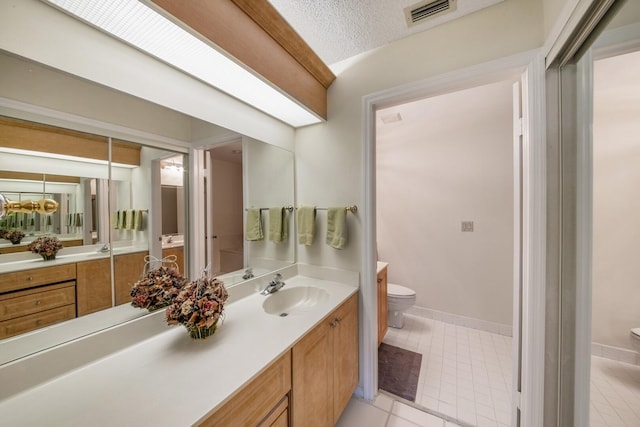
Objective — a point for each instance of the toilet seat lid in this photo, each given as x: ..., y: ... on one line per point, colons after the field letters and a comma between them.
x: 399, y: 291
x: 636, y: 332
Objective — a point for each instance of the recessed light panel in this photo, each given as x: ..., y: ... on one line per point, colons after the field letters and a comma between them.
x: 144, y: 28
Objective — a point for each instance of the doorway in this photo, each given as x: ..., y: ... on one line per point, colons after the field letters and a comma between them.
x: 445, y: 177
x: 528, y: 330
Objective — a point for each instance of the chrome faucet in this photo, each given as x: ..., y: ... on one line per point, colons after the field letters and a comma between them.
x: 274, y: 285
x: 104, y: 248
x: 248, y: 273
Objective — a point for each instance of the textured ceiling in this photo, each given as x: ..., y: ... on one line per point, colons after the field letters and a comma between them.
x: 340, y: 29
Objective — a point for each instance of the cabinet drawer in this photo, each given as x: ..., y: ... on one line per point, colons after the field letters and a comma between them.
x: 37, y: 276
x: 22, y: 303
x: 23, y: 324
x: 256, y: 400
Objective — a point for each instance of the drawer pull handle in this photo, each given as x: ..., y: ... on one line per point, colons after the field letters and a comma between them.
x: 333, y: 324
x: 38, y: 302
x: 29, y: 278
x: 379, y: 280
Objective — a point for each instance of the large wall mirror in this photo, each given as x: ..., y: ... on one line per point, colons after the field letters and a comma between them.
x: 243, y: 174
x: 104, y: 219
x: 112, y: 214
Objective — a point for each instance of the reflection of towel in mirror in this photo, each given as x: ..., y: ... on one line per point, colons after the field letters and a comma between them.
x: 278, y: 225
x: 337, y: 227
x: 122, y: 219
x: 306, y: 224
x: 78, y: 222
x: 115, y: 220
x: 129, y: 219
x: 138, y: 220
x: 253, y: 226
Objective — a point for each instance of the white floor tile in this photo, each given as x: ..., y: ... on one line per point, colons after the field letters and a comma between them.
x: 360, y: 413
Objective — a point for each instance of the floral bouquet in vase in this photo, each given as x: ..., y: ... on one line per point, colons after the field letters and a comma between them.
x: 14, y: 236
x: 199, y: 306
x: 46, y: 246
x: 158, y: 287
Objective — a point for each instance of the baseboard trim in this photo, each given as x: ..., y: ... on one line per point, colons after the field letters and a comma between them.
x: 615, y: 353
x: 469, y: 322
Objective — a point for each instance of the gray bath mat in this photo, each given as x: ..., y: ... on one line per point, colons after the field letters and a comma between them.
x: 398, y: 371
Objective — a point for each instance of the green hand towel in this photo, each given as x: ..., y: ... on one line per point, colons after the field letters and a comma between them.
x: 278, y: 224
x: 337, y: 227
x: 122, y: 220
x: 306, y: 224
x: 253, y: 226
x: 129, y: 219
x: 137, y: 222
x: 115, y: 220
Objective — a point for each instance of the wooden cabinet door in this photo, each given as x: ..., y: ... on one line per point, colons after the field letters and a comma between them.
x: 312, y: 399
x: 345, y: 355
x: 127, y: 269
x: 178, y: 251
x: 382, y: 305
x: 93, y: 286
x: 265, y: 395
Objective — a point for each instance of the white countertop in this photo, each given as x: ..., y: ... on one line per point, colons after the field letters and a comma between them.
x: 171, y: 379
x: 20, y: 261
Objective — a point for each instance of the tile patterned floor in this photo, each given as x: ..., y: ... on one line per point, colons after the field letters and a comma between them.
x: 615, y: 393
x: 465, y: 378
x: 465, y: 373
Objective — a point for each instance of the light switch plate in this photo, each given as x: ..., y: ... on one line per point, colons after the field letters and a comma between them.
x: 467, y: 226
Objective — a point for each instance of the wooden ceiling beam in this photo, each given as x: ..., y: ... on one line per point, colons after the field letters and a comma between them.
x: 253, y: 33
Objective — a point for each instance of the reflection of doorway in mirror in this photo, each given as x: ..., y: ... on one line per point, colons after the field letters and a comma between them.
x: 225, y: 251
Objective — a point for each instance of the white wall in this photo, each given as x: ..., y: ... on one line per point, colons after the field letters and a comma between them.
x: 329, y: 160
x: 616, y: 201
x: 450, y: 160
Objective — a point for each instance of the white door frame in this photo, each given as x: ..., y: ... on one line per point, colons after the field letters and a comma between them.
x: 529, y: 65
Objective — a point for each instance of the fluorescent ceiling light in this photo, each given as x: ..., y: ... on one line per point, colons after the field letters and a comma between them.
x: 144, y: 28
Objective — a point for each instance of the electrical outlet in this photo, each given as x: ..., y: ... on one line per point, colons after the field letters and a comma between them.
x: 467, y: 225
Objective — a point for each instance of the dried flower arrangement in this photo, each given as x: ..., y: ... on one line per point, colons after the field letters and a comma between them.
x: 14, y: 236
x: 157, y: 288
x: 199, y: 306
x: 46, y: 246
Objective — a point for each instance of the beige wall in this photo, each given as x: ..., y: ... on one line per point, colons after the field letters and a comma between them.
x: 450, y: 160
x: 616, y: 202
x: 552, y: 11
x: 329, y: 156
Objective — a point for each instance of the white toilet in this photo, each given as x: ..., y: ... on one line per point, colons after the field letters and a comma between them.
x: 635, y: 339
x: 399, y: 298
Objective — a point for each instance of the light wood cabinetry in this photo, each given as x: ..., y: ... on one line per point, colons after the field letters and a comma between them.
x: 382, y: 304
x: 24, y: 311
x: 263, y: 402
x: 93, y: 285
x: 178, y: 251
x: 325, y: 368
x: 128, y: 269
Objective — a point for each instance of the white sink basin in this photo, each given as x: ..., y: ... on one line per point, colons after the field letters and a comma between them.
x: 294, y: 300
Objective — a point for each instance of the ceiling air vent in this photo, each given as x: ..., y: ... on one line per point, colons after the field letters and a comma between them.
x: 428, y: 9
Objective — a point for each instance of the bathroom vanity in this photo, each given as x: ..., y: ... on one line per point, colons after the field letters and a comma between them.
x: 289, y: 368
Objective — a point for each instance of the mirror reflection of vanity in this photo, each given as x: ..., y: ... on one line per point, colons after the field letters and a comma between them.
x: 93, y: 273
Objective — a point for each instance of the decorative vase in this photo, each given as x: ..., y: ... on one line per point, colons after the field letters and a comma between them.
x: 202, y: 332
x: 48, y: 257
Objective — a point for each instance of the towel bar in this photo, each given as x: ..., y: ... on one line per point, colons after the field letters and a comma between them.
x: 288, y: 208
x: 352, y: 209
